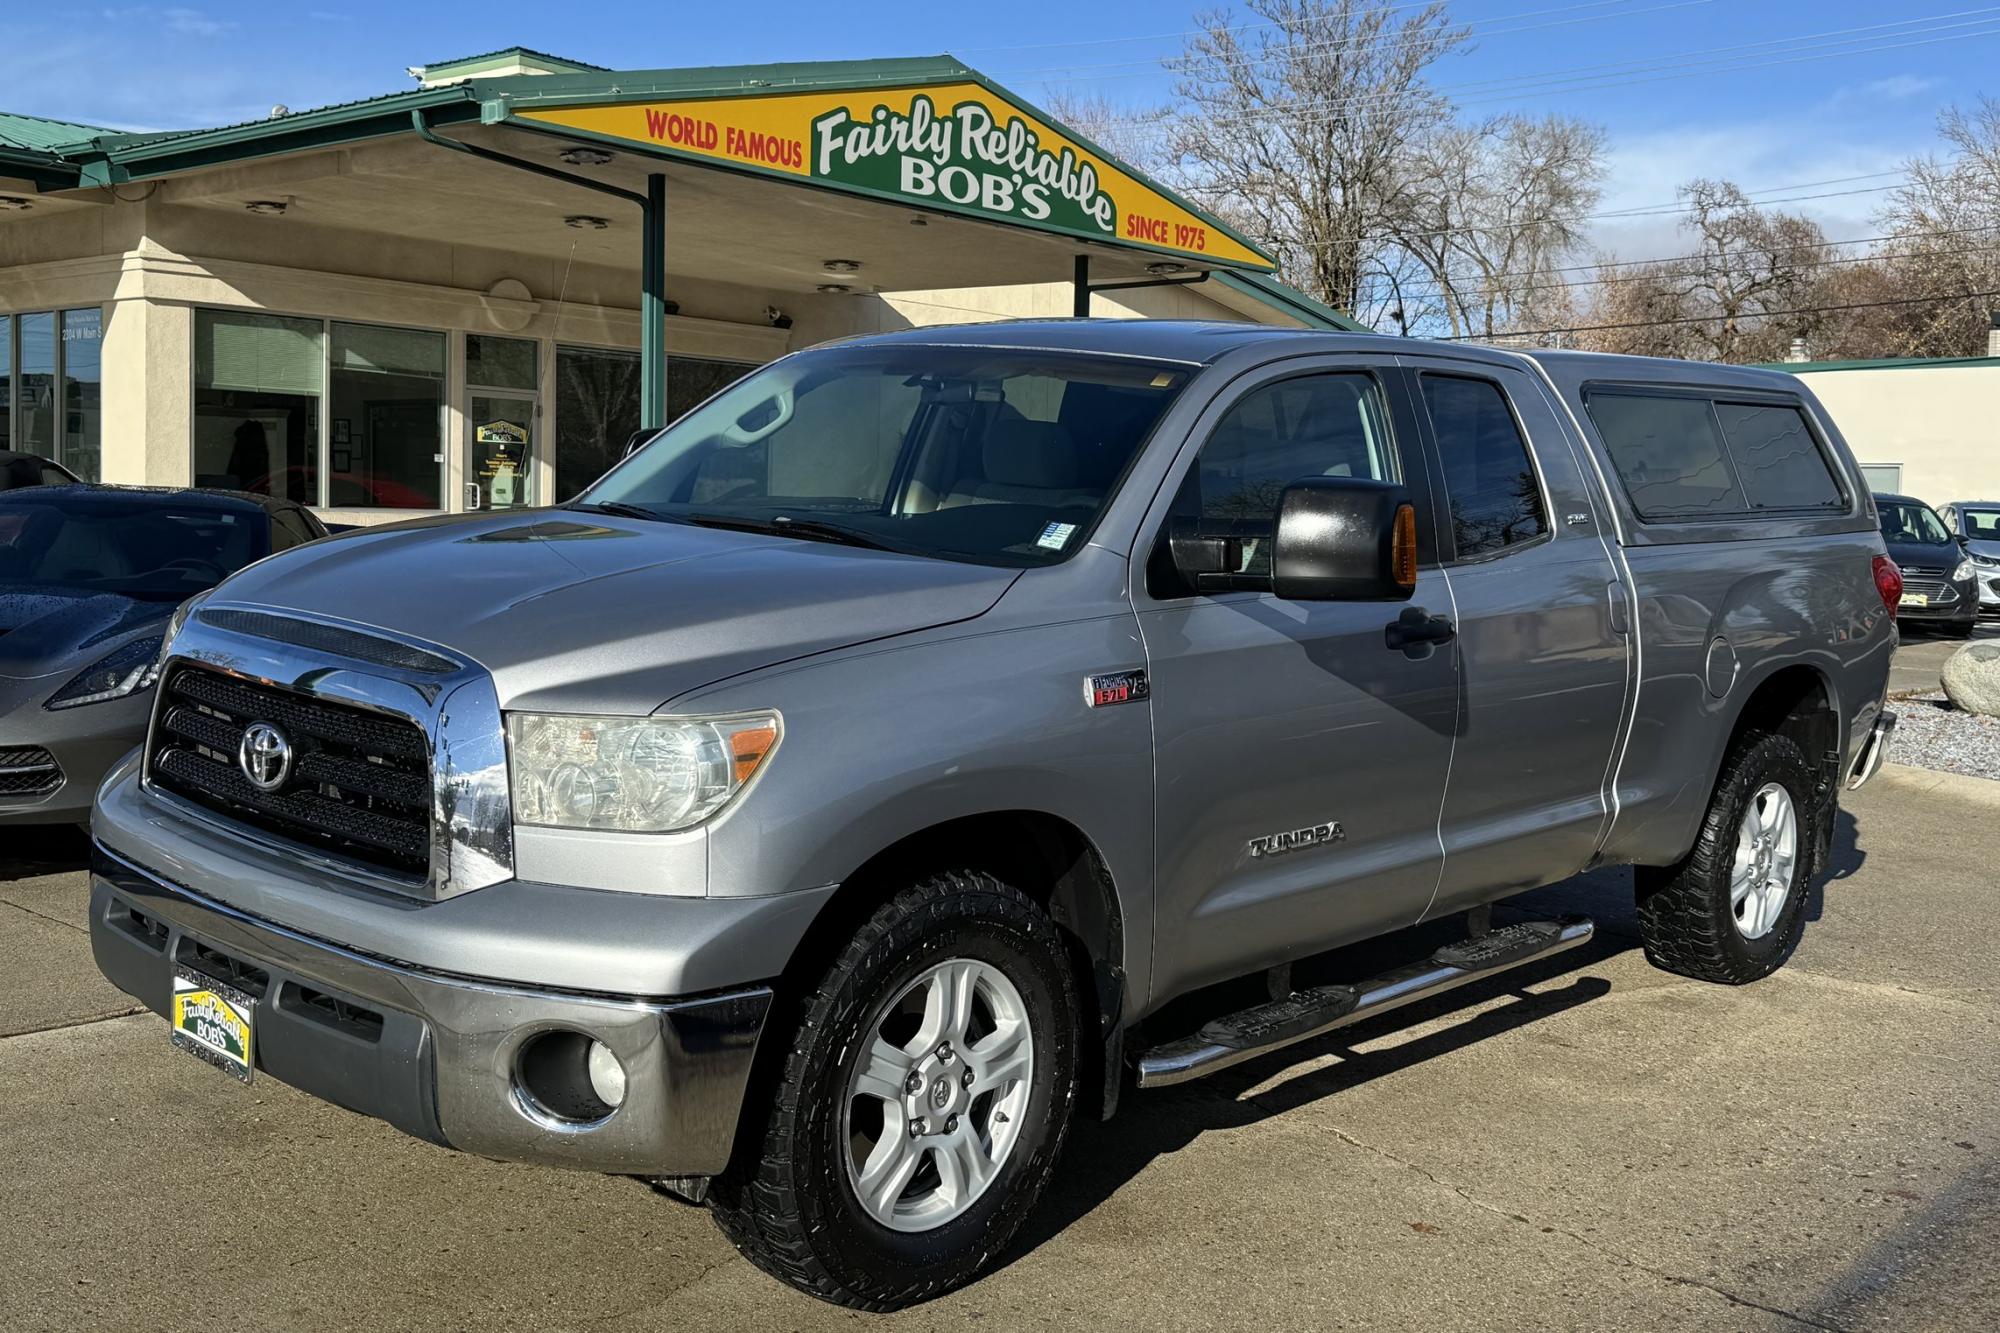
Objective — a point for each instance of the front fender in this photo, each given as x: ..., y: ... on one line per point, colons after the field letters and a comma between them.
x: 883, y: 744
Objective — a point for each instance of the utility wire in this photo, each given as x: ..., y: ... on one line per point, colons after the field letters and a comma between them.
x: 1710, y: 319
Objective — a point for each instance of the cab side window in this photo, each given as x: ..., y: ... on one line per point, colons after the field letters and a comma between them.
x: 1329, y: 425
x: 1489, y: 479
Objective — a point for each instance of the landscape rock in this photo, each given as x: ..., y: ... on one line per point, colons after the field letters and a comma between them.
x: 1972, y: 679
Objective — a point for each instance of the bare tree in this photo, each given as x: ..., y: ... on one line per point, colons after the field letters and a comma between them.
x: 1944, y: 226
x: 1301, y: 129
x: 1754, y: 281
x: 1494, y: 210
x: 1134, y: 135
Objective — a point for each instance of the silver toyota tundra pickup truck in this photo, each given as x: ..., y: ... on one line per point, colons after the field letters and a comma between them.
x: 822, y: 810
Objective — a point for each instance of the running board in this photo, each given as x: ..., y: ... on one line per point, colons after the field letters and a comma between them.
x: 1305, y: 1014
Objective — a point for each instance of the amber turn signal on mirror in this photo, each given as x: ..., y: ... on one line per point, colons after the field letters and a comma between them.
x: 1403, y: 548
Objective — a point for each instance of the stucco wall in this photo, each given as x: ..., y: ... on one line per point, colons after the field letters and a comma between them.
x: 1942, y: 424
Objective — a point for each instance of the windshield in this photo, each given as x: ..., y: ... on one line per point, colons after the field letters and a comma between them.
x: 154, y: 552
x: 1905, y: 521
x: 989, y: 455
x: 1982, y: 525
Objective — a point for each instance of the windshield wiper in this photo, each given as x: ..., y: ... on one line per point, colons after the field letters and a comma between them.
x: 622, y: 510
x: 784, y: 525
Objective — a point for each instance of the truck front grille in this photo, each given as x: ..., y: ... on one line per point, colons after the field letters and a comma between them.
x: 28, y: 770
x: 359, y: 783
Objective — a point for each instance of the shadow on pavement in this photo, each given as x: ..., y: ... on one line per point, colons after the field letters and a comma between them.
x: 28, y: 851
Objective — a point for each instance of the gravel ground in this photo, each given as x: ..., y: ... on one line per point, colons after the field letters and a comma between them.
x: 1930, y: 733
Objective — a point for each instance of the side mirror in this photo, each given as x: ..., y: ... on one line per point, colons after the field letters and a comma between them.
x: 636, y: 441
x: 1196, y: 554
x: 1344, y: 539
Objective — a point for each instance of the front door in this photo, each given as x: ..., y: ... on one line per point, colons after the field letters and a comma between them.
x: 499, y: 460
x: 1301, y: 760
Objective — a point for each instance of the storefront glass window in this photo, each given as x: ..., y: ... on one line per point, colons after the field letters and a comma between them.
x: 36, y: 385
x: 500, y: 363
x: 83, y: 385
x: 385, y: 413
x: 691, y: 380
x: 597, y: 409
x: 6, y: 382
x: 257, y: 386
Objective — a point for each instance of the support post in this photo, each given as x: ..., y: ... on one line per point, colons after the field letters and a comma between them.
x: 1080, y: 300
x: 653, y: 306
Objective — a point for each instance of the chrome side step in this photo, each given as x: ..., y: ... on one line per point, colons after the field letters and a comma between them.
x: 1873, y: 751
x: 1305, y: 1014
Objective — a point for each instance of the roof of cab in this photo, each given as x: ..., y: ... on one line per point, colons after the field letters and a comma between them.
x: 1194, y: 342
x: 139, y: 496
x: 1574, y: 369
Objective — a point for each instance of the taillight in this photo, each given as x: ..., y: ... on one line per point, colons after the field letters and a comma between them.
x: 1888, y: 582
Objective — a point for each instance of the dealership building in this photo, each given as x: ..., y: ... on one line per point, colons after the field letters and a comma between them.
x: 470, y: 292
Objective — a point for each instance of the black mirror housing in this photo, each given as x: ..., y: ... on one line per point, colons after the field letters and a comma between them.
x: 1197, y: 555
x: 1338, y: 539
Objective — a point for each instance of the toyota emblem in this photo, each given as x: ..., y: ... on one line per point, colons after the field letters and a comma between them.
x: 265, y: 756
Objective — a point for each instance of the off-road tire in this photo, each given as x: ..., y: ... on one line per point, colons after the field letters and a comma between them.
x: 1684, y: 910
x: 787, y: 1203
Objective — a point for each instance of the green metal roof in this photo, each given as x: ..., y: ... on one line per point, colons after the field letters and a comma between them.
x: 1882, y: 363
x: 1289, y: 299
x: 40, y: 135
x: 437, y: 67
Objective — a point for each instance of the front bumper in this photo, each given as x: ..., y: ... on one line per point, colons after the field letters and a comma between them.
x: 436, y: 1054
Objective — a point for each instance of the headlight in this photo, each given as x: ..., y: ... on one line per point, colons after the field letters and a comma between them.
x: 1963, y: 572
x: 1985, y: 561
x: 132, y: 668
x: 638, y: 774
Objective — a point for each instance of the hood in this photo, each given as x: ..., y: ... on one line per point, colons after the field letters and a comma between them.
x: 581, y: 612
x: 1986, y: 546
x: 1925, y: 555
x: 45, y: 630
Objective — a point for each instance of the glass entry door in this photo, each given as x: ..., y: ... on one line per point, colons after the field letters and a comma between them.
x: 500, y: 454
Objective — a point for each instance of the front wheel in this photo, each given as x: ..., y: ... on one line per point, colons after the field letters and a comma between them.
x: 921, y: 1108
x: 1733, y: 909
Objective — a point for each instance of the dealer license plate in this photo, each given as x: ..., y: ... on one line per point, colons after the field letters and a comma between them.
x: 214, y: 1022
x: 1916, y: 599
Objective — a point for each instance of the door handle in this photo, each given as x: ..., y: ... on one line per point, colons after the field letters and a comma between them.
x: 472, y: 496
x: 1417, y: 628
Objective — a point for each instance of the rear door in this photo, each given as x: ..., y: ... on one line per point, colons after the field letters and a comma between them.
x: 1301, y: 761
x: 1534, y: 590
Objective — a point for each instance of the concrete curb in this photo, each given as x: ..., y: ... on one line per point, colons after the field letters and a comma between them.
x: 1980, y: 791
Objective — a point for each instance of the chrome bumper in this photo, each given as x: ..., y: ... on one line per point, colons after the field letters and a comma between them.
x: 436, y: 1055
x: 1873, y: 751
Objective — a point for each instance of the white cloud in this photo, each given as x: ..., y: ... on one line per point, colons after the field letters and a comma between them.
x: 1899, y: 87
x: 194, y: 23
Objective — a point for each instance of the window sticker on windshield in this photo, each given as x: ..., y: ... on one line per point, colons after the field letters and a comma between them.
x: 1055, y: 536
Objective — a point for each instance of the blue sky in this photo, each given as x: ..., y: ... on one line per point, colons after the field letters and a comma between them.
x: 1769, y: 93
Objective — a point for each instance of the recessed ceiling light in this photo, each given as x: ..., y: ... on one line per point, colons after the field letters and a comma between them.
x: 841, y: 265
x: 835, y: 288
x: 585, y: 157
x: 1166, y: 270
x: 14, y: 203
x: 585, y: 222
x: 268, y: 208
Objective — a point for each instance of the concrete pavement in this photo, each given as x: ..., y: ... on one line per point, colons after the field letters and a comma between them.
x: 1922, y: 655
x: 1591, y: 1145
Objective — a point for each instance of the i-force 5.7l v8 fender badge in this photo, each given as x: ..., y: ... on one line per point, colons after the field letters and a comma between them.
x: 1319, y: 835
x: 1116, y: 687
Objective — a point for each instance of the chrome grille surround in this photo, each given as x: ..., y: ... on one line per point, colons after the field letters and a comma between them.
x: 471, y: 825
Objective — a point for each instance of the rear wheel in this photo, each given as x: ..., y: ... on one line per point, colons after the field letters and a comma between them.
x: 922, y: 1105
x: 1733, y: 909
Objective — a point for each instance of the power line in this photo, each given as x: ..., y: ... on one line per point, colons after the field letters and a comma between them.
x: 1235, y: 27
x: 1386, y: 41
x: 1614, y: 72
x: 1709, y: 319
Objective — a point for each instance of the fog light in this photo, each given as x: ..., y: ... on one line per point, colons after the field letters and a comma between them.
x: 607, y: 1076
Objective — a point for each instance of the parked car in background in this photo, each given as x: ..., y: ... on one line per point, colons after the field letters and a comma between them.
x: 1940, y: 586
x: 89, y: 576
x: 18, y: 470
x: 826, y: 806
x: 1977, y: 524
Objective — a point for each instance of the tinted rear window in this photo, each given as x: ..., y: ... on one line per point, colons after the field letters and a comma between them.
x: 1777, y: 459
x: 1669, y: 454
x: 1682, y: 456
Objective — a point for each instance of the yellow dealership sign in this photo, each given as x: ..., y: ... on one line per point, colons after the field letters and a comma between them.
x: 957, y: 146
